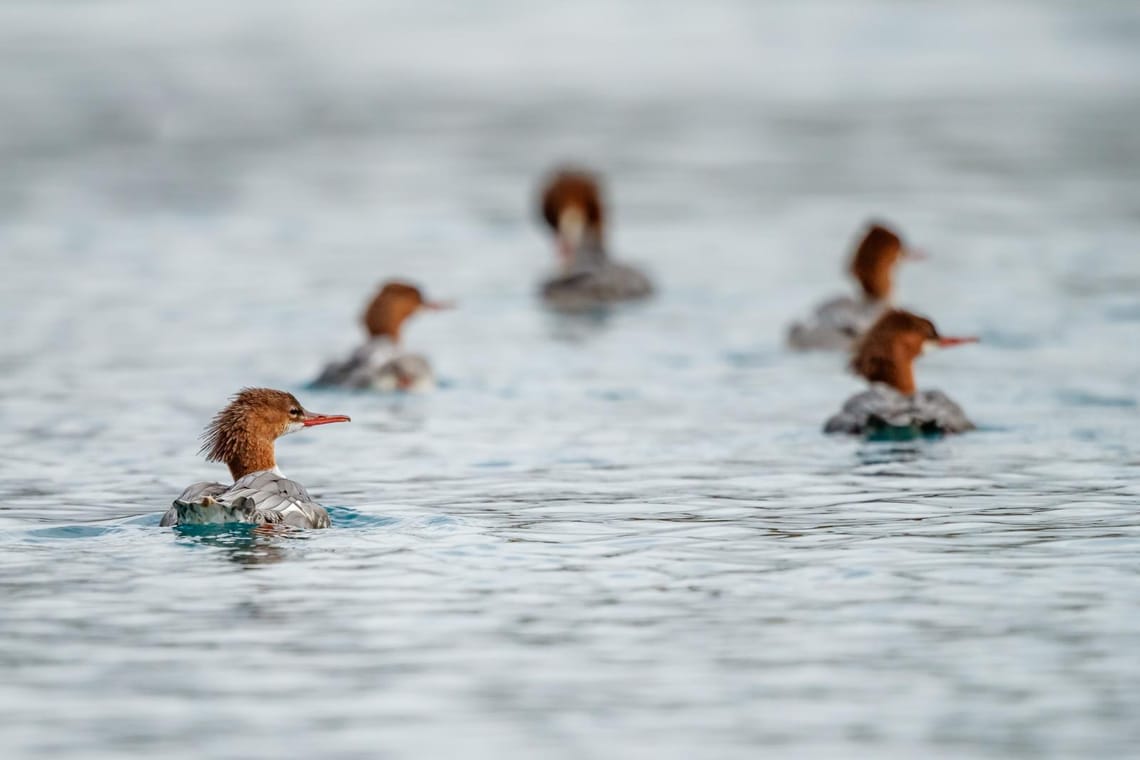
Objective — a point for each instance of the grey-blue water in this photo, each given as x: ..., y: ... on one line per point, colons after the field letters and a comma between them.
x: 612, y: 538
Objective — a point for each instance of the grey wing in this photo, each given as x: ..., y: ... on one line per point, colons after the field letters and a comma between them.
x: 404, y: 372
x: 852, y: 418
x: 571, y: 292
x: 627, y: 283
x: 353, y: 372
x: 335, y: 373
x: 879, y: 406
x: 360, y: 368
x: 199, y: 491
x: 597, y: 286
x: 277, y: 499
x: 834, y: 325
x: 851, y: 314
x: 939, y: 411
x: 268, y: 490
x: 197, y: 503
x: 842, y: 422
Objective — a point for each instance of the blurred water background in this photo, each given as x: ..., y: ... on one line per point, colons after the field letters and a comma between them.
x: 622, y: 537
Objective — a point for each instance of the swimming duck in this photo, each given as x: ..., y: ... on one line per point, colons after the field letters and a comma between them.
x: 838, y: 323
x: 573, y: 209
x: 381, y: 363
x: 242, y: 436
x: 885, y: 357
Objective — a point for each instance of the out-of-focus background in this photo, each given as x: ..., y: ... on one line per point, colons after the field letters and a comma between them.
x: 620, y: 537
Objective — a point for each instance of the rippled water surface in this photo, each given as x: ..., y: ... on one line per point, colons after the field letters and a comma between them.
x: 621, y: 536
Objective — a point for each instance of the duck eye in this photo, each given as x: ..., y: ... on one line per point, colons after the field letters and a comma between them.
x: 295, y: 411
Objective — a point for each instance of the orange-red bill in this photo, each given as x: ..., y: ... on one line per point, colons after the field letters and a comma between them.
x: 957, y: 341
x: 323, y: 419
x: 439, y: 305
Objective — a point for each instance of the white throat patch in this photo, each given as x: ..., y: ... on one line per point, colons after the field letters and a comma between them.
x: 572, y: 225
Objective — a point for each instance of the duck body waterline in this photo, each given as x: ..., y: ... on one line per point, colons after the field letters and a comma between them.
x: 265, y: 497
x: 243, y: 435
x: 381, y: 363
x: 837, y: 324
x: 596, y: 286
x: 572, y: 208
x: 885, y: 358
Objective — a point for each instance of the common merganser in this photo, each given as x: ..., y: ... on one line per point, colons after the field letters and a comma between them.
x: 572, y: 207
x: 836, y: 324
x: 885, y: 357
x: 242, y: 436
x: 380, y: 363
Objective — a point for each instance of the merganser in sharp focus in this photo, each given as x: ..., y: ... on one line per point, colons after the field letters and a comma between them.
x: 381, y: 364
x: 838, y: 323
x: 885, y: 356
x: 572, y: 207
x: 242, y: 436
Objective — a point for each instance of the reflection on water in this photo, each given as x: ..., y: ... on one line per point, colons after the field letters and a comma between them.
x: 581, y: 327
x: 900, y: 447
x: 618, y: 535
x: 243, y: 544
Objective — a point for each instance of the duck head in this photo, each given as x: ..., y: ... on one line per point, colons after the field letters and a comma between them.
x: 243, y: 434
x: 392, y: 306
x: 572, y: 207
x: 873, y: 264
x: 887, y: 351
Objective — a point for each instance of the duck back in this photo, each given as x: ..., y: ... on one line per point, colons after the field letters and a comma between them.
x: 600, y: 285
x: 882, y: 408
x: 379, y: 365
x: 265, y: 497
x: 835, y: 325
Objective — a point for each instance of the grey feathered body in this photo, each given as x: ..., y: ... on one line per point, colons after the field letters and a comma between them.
x: 379, y: 365
x: 599, y: 282
x: 265, y: 497
x: 836, y: 324
x: 881, y: 408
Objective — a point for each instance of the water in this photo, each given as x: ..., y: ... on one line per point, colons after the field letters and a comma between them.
x: 620, y: 537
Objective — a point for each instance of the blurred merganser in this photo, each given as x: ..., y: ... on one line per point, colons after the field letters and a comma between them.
x: 381, y: 363
x: 885, y: 356
x: 242, y: 436
x: 572, y: 207
x: 838, y: 323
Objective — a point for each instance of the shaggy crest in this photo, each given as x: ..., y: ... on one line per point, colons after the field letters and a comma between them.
x: 245, y: 430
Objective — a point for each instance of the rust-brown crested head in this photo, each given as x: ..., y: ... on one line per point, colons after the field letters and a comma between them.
x: 387, y: 312
x: 242, y: 434
x: 874, y: 261
x: 899, y: 327
x: 887, y: 351
x: 253, y: 415
x: 572, y: 198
